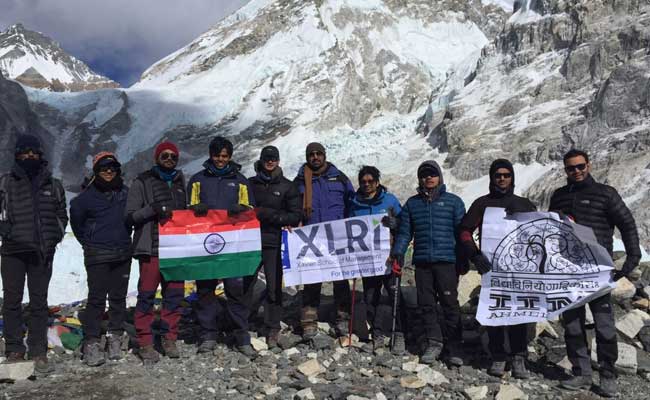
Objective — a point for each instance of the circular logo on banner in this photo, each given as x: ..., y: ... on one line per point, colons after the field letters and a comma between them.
x: 214, y: 243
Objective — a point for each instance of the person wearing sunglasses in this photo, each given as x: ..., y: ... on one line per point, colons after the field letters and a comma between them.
x: 431, y: 219
x: 221, y: 186
x: 601, y: 208
x: 97, y: 220
x: 373, y: 198
x: 32, y: 222
x: 326, y: 194
x: 152, y: 198
x: 278, y: 205
x: 502, y: 195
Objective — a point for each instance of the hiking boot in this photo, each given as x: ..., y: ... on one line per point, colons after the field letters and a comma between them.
x: 577, y: 383
x: 15, y: 356
x: 170, y: 349
x: 308, y: 316
x: 148, y: 355
x: 247, y: 350
x: 432, y: 352
x: 42, y: 364
x: 498, y: 368
x: 519, y: 369
x: 272, y: 338
x: 608, y: 387
x: 114, y: 346
x: 398, y: 347
x: 454, y: 355
x: 207, y: 346
x: 342, y: 326
x: 378, y: 344
x: 94, y: 355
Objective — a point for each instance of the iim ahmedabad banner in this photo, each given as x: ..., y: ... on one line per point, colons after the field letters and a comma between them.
x: 336, y: 250
x: 541, y: 267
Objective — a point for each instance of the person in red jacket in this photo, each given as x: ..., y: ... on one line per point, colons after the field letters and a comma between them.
x: 502, y: 186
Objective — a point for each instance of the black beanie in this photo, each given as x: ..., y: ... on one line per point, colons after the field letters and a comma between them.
x: 219, y: 143
x: 28, y: 142
x: 270, y: 152
x: 314, y: 146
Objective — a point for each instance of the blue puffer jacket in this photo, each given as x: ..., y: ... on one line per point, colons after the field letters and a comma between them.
x: 219, y: 192
x: 98, y: 223
x: 380, y: 204
x: 331, y: 197
x: 432, y: 223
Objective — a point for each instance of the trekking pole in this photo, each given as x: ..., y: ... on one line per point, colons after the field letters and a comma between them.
x: 397, y: 283
x: 354, y: 291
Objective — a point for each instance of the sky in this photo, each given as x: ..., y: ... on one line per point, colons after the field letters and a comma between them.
x: 118, y: 38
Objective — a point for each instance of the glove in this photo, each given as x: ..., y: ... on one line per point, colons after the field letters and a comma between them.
x: 618, y: 275
x: 625, y: 271
x: 161, y: 210
x: 5, y: 229
x: 235, y: 209
x: 390, y: 222
x: 200, y: 209
x: 482, y: 264
x: 396, y: 263
x: 263, y: 213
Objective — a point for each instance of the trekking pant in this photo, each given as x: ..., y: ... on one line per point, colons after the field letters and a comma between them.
x: 606, y: 342
x: 172, y: 295
x: 14, y: 268
x: 311, y: 301
x: 517, y: 335
x: 438, y: 283
x: 106, y: 279
x: 273, y: 301
x: 372, y: 298
x: 237, y: 307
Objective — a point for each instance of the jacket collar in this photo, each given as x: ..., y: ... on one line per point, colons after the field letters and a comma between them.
x: 376, y: 199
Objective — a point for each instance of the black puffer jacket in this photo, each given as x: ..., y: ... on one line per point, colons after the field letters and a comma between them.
x: 601, y: 208
x: 148, y: 188
x: 36, y: 209
x: 279, y: 204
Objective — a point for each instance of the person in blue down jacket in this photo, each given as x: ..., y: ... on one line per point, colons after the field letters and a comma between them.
x: 431, y: 218
x: 373, y: 198
x: 327, y: 194
x: 97, y: 219
x: 220, y: 186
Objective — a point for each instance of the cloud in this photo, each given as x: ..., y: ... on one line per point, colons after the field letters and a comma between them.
x: 118, y: 38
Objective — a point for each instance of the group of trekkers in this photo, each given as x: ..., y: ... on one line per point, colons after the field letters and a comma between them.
x: 114, y: 223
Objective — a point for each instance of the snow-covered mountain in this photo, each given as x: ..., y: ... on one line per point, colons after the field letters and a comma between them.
x: 36, y: 60
x: 391, y: 83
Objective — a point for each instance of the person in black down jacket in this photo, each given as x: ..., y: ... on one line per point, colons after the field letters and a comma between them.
x: 601, y: 208
x: 97, y: 219
x: 32, y: 222
x: 153, y: 196
x: 502, y: 187
x: 279, y: 205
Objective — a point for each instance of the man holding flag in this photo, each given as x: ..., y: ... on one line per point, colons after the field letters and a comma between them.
x: 220, y: 186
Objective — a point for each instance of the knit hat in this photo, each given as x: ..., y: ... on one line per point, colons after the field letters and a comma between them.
x: 165, y: 146
x: 28, y: 142
x: 314, y: 146
x: 270, y: 152
x: 103, y: 158
x: 430, y: 168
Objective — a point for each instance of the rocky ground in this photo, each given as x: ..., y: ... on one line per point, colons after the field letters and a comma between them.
x: 329, y: 371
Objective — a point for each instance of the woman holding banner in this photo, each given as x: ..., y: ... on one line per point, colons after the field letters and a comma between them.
x: 279, y: 204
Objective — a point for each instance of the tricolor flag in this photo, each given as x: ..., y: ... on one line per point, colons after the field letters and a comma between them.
x: 212, y: 247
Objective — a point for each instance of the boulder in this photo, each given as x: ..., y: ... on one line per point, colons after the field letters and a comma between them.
x: 412, y: 382
x: 16, y: 371
x: 510, y: 392
x: 632, y: 322
x: 468, y: 286
x: 311, y: 368
x: 476, y: 392
x: 624, y: 290
x: 259, y: 344
x: 432, y: 377
x: 627, y: 359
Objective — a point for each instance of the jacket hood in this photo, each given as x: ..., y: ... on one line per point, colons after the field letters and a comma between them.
x: 431, y: 164
x: 501, y: 163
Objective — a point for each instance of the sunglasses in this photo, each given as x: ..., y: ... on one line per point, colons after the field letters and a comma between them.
x: 316, y: 154
x: 270, y: 159
x: 507, y: 175
x: 364, y: 182
x: 168, y: 156
x: 109, y: 167
x: 577, y: 167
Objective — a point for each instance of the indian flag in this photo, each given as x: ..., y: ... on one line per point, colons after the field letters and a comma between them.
x: 212, y: 247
